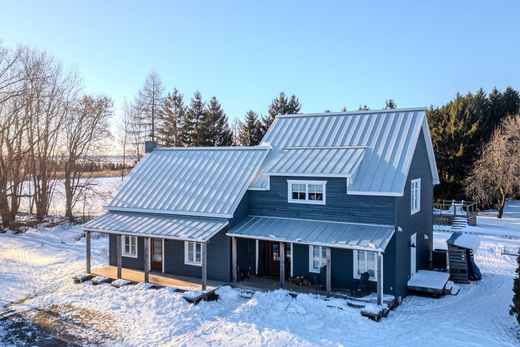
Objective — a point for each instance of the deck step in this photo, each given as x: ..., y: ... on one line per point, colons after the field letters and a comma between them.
x: 121, y: 282
x: 82, y: 278
x: 100, y: 280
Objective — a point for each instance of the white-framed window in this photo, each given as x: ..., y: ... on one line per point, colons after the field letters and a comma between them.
x: 129, y: 245
x: 307, y: 192
x: 317, y: 258
x: 415, y: 198
x: 365, y: 261
x: 192, y: 253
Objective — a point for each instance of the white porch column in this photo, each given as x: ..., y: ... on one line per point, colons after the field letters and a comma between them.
x: 147, y: 260
x: 204, y: 255
x: 88, y: 251
x: 234, y: 265
x: 379, y: 275
x: 282, y: 264
x: 328, y: 270
x: 119, y: 256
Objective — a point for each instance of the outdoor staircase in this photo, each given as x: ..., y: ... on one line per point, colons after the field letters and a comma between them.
x: 459, y: 223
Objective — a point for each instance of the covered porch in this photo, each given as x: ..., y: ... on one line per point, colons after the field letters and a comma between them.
x: 139, y: 252
x: 322, y: 240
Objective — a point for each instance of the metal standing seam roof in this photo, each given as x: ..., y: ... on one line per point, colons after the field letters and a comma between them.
x: 199, y: 181
x: 315, y: 232
x: 163, y: 226
x: 323, y: 161
x: 390, y: 138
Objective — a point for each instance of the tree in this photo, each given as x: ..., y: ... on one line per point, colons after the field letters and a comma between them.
x: 250, y: 133
x: 390, y: 104
x: 496, y: 174
x: 86, y: 128
x: 172, y: 116
x: 196, y: 126
x: 363, y: 108
x: 136, y: 130
x: 216, y: 125
x: 280, y: 105
x: 148, y: 104
x: 123, y: 131
x: 515, y: 307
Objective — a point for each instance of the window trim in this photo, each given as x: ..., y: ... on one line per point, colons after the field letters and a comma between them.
x: 123, y: 252
x: 306, y: 183
x: 186, y: 253
x: 416, y: 197
x: 355, y: 274
x: 323, y: 260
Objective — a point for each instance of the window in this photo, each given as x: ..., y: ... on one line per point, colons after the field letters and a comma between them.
x: 130, y: 246
x: 365, y: 261
x: 317, y: 258
x: 415, y: 199
x: 192, y: 253
x: 308, y: 192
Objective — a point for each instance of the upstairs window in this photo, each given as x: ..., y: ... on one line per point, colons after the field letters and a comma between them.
x: 415, y: 198
x: 129, y: 246
x: 307, y: 192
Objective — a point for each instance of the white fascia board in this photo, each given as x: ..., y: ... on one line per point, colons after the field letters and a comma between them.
x: 429, y: 149
x: 169, y: 212
x: 369, y: 193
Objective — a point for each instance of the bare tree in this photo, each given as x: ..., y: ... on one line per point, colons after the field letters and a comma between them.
x: 124, y: 129
x: 148, y: 103
x: 86, y: 130
x: 496, y: 174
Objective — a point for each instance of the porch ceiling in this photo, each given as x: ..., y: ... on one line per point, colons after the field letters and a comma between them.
x: 368, y: 237
x: 160, y: 226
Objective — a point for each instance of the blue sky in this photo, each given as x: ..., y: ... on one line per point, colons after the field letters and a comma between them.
x: 330, y: 54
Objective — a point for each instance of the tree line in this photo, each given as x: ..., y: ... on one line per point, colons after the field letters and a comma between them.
x: 47, y: 126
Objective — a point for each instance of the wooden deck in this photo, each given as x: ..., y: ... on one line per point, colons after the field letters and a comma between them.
x: 181, y: 282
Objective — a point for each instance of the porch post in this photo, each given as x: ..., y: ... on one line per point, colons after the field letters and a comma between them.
x: 256, y: 256
x: 234, y: 259
x: 328, y: 271
x: 204, y: 255
x: 146, y: 259
x: 282, y: 264
x: 88, y: 250
x: 379, y: 275
x: 119, y: 256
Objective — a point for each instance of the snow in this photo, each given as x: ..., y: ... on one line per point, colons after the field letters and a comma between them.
x: 429, y: 279
x: 40, y: 264
x: 467, y: 241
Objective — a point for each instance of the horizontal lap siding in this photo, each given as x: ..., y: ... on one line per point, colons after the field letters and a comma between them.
x: 339, y: 206
x: 128, y: 262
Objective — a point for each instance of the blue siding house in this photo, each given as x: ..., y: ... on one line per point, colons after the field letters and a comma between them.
x: 325, y: 196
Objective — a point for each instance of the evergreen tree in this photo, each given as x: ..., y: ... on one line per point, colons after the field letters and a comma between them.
x: 515, y: 307
x: 250, y: 133
x: 195, y: 125
x: 216, y: 125
x: 172, y: 117
x: 281, y: 105
x: 344, y: 109
x: 390, y: 104
x: 363, y: 108
x: 148, y: 104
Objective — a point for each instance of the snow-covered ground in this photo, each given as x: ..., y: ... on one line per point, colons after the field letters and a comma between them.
x: 38, y: 266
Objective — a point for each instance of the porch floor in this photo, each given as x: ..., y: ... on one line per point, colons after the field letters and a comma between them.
x: 181, y: 282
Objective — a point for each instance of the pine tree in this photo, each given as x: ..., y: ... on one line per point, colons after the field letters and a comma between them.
x: 148, y: 103
x: 281, y: 105
x: 390, y: 104
x: 515, y: 307
x: 172, y: 117
x: 363, y: 108
x: 215, y: 125
x: 250, y: 133
x: 195, y: 125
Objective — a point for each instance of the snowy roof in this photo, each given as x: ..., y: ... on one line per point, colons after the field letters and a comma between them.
x: 316, y: 232
x: 164, y: 226
x: 199, y: 181
x: 311, y: 161
x: 467, y: 241
x: 389, y: 136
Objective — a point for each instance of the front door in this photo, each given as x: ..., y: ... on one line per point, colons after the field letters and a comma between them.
x: 272, y: 258
x: 413, y: 254
x: 157, y: 254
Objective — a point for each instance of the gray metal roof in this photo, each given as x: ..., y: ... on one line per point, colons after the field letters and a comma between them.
x: 198, y: 181
x: 323, y: 161
x: 390, y: 138
x: 325, y: 233
x: 163, y: 226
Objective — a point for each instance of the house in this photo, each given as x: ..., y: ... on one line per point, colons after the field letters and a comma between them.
x: 327, y: 196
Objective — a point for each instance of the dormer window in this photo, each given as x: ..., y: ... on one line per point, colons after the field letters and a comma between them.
x: 306, y: 192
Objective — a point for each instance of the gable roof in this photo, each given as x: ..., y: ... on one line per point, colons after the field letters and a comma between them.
x: 388, y: 136
x: 197, y: 181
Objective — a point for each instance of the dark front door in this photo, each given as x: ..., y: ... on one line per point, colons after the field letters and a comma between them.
x: 157, y: 254
x: 272, y: 258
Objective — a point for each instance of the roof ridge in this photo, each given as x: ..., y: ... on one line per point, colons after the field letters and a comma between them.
x: 215, y: 148
x: 352, y: 113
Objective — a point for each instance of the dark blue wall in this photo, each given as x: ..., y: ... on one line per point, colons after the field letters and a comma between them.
x: 339, y: 206
x: 128, y: 262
